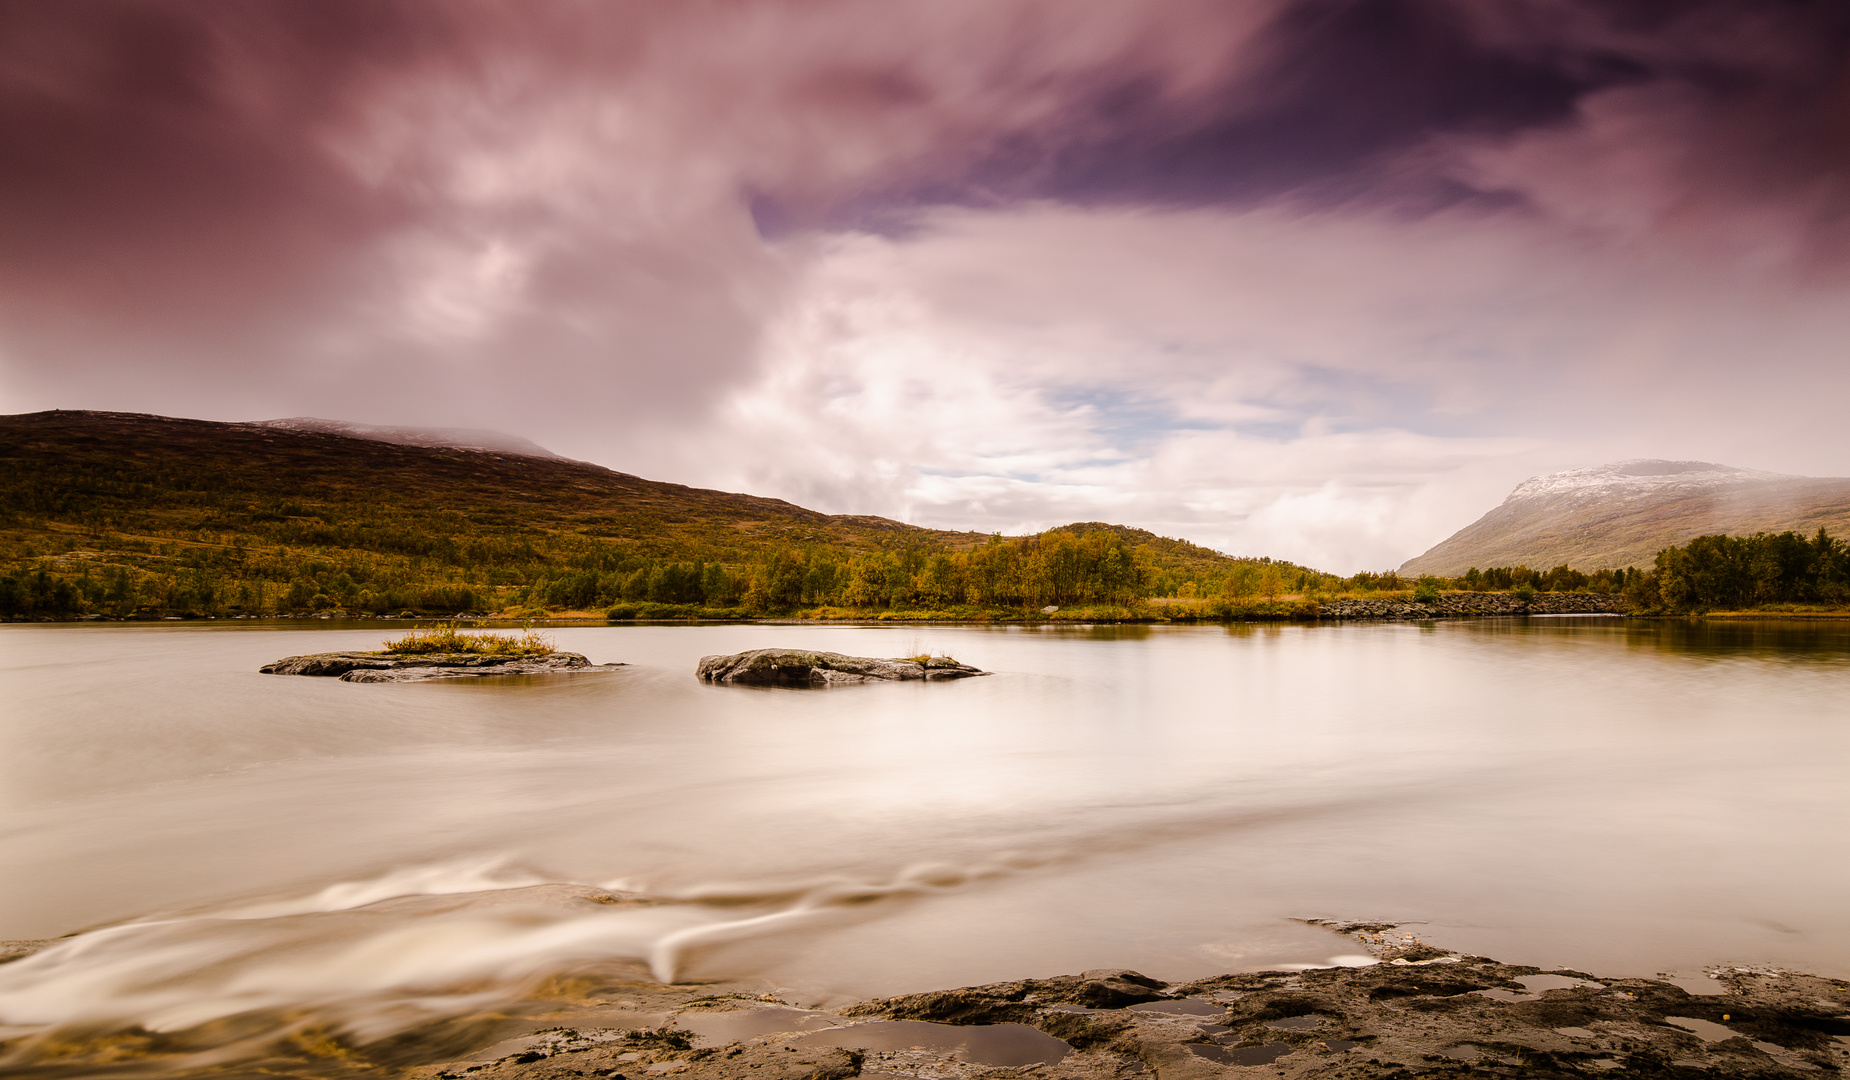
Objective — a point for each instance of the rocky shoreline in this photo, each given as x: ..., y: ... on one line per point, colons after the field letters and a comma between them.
x: 1417, y: 1011
x: 1461, y: 605
x: 1407, y: 1010
x: 375, y: 667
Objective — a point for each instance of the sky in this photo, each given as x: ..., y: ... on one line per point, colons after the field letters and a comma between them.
x: 1315, y: 279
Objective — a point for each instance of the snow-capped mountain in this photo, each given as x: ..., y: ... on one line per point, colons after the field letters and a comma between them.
x: 1637, y: 477
x: 1624, y: 513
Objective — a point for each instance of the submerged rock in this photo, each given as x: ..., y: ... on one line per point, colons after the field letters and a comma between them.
x: 387, y: 667
x: 798, y: 667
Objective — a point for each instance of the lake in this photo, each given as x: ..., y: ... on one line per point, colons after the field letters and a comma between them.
x: 1625, y: 797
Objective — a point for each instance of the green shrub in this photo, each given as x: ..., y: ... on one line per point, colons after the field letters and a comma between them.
x: 446, y: 638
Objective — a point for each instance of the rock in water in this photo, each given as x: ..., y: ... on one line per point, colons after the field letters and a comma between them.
x: 387, y: 667
x: 797, y: 667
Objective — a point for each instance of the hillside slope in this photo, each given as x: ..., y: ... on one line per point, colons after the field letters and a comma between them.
x: 120, y: 513
x: 159, y: 474
x: 494, y: 442
x: 1624, y: 513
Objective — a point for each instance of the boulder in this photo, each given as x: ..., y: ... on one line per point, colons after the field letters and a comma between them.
x: 799, y: 667
x: 387, y: 667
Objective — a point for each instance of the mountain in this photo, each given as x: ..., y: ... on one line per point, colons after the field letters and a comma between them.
x: 127, y: 513
x: 493, y: 442
x: 161, y: 474
x: 1624, y: 513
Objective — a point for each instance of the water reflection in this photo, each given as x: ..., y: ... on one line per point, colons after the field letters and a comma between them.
x: 1609, y: 795
x: 1766, y: 639
x: 1762, y: 639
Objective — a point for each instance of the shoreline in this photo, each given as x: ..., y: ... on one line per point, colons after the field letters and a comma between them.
x: 1294, y: 609
x: 567, y: 620
x: 1412, y: 1011
x: 1404, y: 1009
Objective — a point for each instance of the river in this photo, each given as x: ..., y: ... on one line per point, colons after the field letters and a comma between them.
x: 1625, y: 797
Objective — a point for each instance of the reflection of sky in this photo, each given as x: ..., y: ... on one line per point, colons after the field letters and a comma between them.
x: 1149, y: 797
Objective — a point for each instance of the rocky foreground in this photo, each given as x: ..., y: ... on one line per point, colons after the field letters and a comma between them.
x: 1420, y: 1013
x: 798, y: 667
x: 374, y: 667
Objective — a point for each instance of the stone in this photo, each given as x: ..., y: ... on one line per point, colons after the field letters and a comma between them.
x: 798, y: 667
x: 374, y: 667
x: 1453, y: 605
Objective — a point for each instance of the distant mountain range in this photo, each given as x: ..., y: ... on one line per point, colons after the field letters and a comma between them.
x: 160, y: 476
x: 1624, y: 513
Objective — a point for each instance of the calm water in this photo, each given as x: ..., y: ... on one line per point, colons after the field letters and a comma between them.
x: 1626, y: 798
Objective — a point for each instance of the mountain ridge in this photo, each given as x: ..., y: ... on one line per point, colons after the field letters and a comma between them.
x: 494, y: 470
x: 1623, y: 513
x: 494, y: 442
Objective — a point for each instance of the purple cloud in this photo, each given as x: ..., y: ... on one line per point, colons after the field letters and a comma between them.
x: 1305, y: 272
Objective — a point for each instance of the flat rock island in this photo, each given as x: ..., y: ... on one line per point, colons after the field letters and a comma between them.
x: 798, y: 667
x: 372, y: 667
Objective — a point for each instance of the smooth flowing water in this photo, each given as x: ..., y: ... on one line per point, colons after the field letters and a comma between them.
x: 1621, y: 797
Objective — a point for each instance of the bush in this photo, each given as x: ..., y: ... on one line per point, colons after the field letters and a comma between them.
x: 446, y: 638
x: 651, y: 610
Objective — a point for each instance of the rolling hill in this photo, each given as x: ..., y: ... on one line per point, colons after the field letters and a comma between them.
x: 1623, y: 514
x: 141, y: 513
x: 161, y: 473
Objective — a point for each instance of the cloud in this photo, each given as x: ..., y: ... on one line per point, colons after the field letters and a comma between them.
x: 1320, y: 278
x: 1342, y: 386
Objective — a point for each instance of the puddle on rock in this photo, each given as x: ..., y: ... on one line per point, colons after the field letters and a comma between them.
x: 1242, y: 1055
x: 1706, y: 1030
x: 1005, y: 1045
x: 1534, y: 986
x: 1181, y: 1007
x: 739, y: 1025
x: 1537, y: 984
x: 1462, y: 1052
x: 1297, y: 1023
x: 1697, y: 985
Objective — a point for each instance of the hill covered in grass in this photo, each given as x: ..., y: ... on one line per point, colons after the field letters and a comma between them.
x: 123, y: 514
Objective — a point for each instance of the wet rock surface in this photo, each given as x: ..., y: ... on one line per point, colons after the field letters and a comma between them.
x: 798, y: 667
x: 1460, y: 605
x: 372, y: 667
x: 1419, y: 1012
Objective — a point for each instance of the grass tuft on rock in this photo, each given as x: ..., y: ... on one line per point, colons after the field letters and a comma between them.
x: 447, y: 638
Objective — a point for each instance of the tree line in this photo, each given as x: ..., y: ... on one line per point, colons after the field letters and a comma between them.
x: 1105, y: 570
x: 1736, y: 572
x: 1087, y: 567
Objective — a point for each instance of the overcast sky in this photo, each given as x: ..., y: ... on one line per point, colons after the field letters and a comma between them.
x: 1320, y: 280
